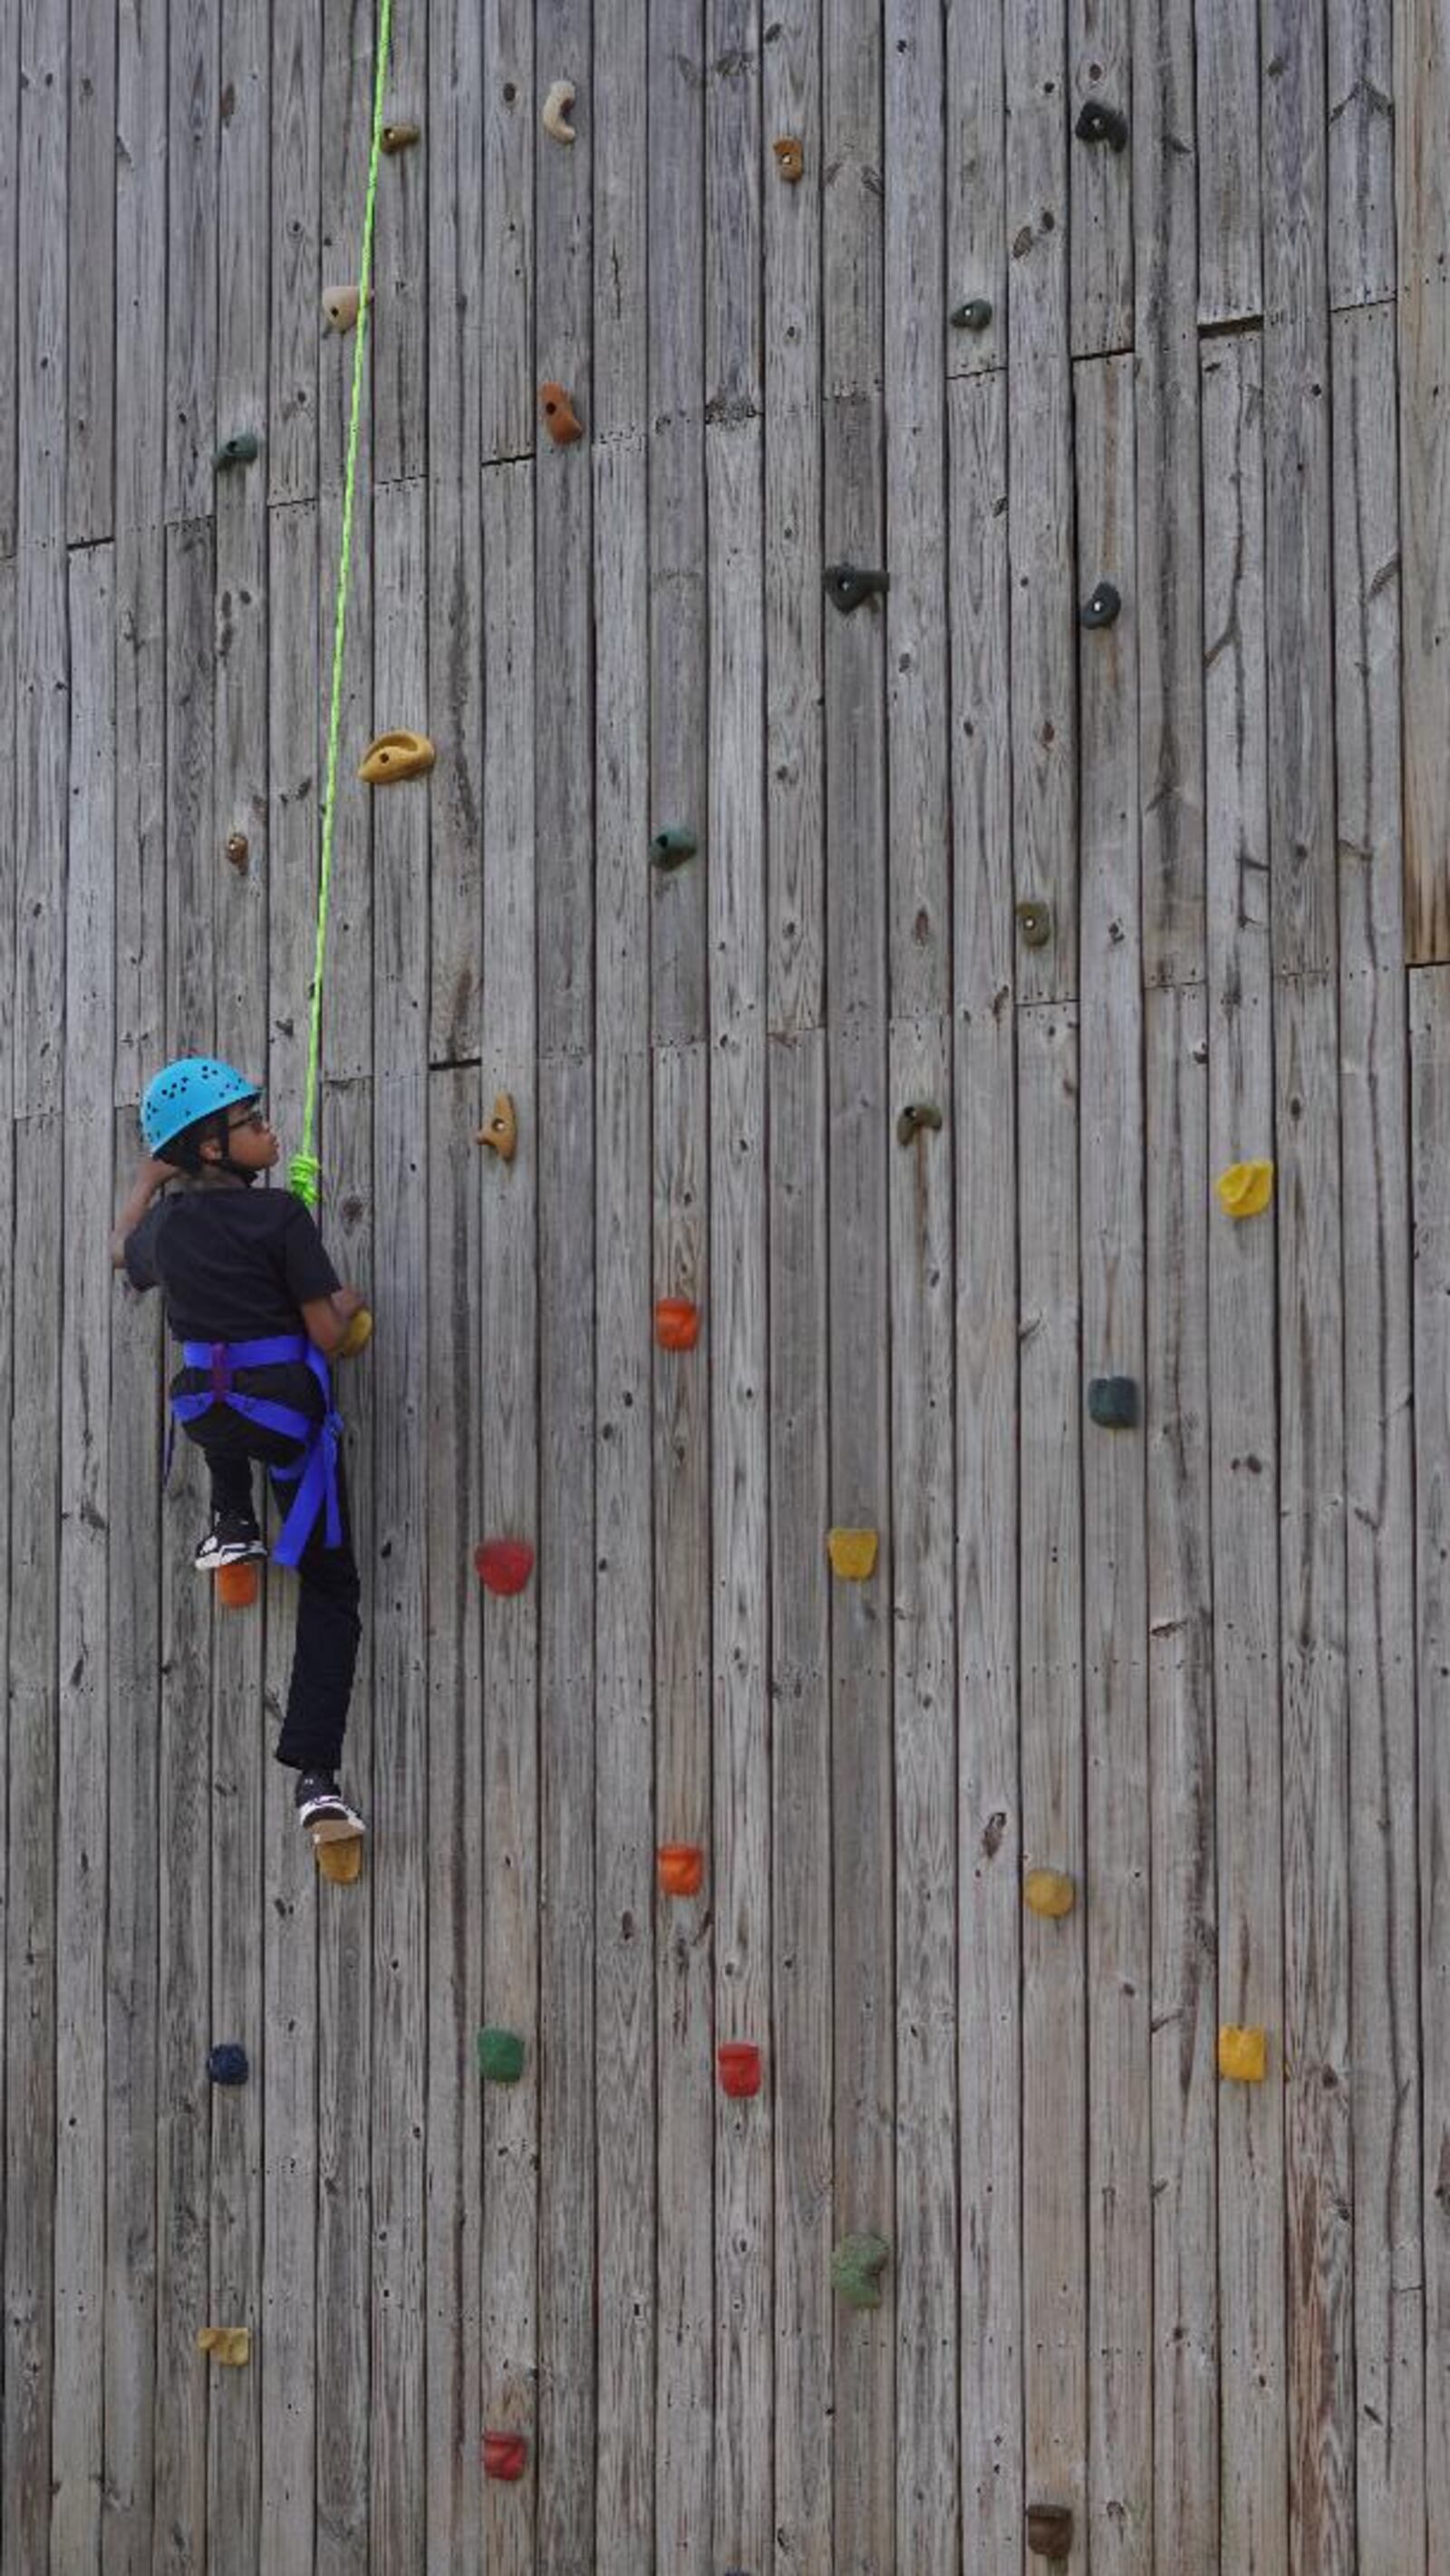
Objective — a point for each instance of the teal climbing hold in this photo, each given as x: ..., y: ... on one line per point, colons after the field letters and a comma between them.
x: 500, y: 2056
x: 1113, y: 1403
x: 670, y: 846
x: 243, y: 449
x: 974, y: 315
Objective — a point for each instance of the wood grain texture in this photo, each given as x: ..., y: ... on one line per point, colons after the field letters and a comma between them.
x: 296, y: 263
x: 191, y: 262
x: 91, y: 279
x: 1099, y: 52
x: 975, y: 156
x: 1429, y: 1015
x: 506, y: 286
x: 1422, y: 101
x: 1227, y: 42
x: 9, y: 277
x: 1359, y: 73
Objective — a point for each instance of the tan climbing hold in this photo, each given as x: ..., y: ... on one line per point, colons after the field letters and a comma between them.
x: 358, y: 1335
x: 1245, y: 1189
x: 556, y: 112
x: 396, y: 138
x: 790, y: 157
x: 340, y: 1862
x: 340, y: 304
x: 502, y: 1129
x: 392, y: 757
x: 560, y: 418
x: 852, y: 1553
x: 1243, y: 2055
x: 229, y: 2344
x: 1050, y: 1892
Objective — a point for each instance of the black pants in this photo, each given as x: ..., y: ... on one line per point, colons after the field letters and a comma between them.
x: 328, y: 1627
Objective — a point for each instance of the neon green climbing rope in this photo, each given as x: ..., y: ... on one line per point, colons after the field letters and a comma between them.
x: 304, y: 1171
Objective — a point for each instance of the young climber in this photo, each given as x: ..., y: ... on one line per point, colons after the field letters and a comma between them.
x: 255, y: 1303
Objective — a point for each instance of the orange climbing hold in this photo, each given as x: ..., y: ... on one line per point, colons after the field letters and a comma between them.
x: 236, y: 1585
x: 340, y: 1863
x: 790, y: 157
x: 560, y: 418
x: 682, y: 1869
x: 505, y: 2455
x: 502, y: 1129
x: 503, y: 1565
x: 677, y: 1324
x: 739, y: 2063
x: 1243, y: 2055
x: 392, y: 757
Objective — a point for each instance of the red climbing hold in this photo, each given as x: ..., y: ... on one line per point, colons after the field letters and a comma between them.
x: 236, y: 1584
x: 503, y: 1564
x: 505, y: 2454
x: 677, y: 1324
x: 739, y: 2064
x: 682, y: 1869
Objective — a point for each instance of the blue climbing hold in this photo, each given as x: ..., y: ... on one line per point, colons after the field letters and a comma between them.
x: 227, y: 2062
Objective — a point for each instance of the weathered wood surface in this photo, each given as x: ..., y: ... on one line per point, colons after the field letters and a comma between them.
x: 1200, y: 1664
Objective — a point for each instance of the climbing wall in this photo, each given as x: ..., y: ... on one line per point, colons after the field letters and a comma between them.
x: 896, y: 2018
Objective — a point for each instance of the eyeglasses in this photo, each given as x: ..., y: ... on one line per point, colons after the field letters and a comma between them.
x: 252, y: 1118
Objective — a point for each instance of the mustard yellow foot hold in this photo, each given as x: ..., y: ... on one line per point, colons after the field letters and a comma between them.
x: 1049, y: 1891
x: 230, y: 2344
x: 340, y: 1862
x: 502, y: 1130
x: 358, y: 1335
x: 1245, y: 1189
x: 396, y: 756
x: 1242, y: 2054
x: 852, y: 1553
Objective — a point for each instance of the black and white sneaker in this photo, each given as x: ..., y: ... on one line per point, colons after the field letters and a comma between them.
x: 231, y: 1539
x: 323, y: 1811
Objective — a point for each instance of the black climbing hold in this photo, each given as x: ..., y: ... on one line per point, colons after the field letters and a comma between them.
x: 670, y: 846
x: 1103, y: 607
x: 244, y: 449
x: 848, y: 585
x: 974, y: 315
x: 227, y: 2062
x: 1034, y: 920
x: 1099, y: 123
x: 1113, y: 1402
x: 916, y: 1114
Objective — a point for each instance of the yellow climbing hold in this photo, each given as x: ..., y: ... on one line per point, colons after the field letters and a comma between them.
x: 1049, y: 1891
x: 502, y: 1129
x: 395, y: 756
x: 852, y: 1553
x: 1245, y: 1189
x: 230, y: 2344
x: 358, y: 1335
x: 1242, y: 2054
x: 341, y: 1863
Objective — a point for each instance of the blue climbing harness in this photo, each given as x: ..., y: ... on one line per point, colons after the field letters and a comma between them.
x: 316, y: 1470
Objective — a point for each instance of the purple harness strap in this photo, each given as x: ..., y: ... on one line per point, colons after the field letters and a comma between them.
x: 315, y: 1472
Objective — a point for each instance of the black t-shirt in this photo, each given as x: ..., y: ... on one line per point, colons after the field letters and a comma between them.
x: 233, y: 1264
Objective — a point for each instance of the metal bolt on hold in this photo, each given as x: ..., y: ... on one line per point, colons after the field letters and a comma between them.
x: 1034, y: 920
x: 1099, y: 123
x: 974, y: 315
x: 916, y: 1115
x: 396, y: 138
x: 847, y: 585
x: 1103, y: 607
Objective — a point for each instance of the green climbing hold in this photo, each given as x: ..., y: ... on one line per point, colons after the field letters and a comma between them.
x: 974, y: 315
x: 856, y: 2269
x: 500, y: 2056
x: 916, y: 1115
x: 244, y: 449
x: 670, y: 846
x: 1113, y: 1403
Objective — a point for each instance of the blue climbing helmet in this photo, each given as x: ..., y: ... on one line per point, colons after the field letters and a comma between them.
x: 194, y: 1087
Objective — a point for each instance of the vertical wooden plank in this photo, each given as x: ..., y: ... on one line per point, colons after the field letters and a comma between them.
x: 801, y: 1796
x: 42, y: 343
x: 509, y: 1501
x: 1099, y: 50
x: 1297, y: 492
x: 287, y: 2348
x: 191, y: 257
x: 1253, y: 2396
x: 1115, y: 1672
x: 1230, y: 221
x: 1429, y: 1012
x: 30, y: 1875
x: 852, y: 289
x: 739, y: 1498
x: 398, y: 350
x: 455, y: 1830
x: 345, y: 2253
x: 506, y: 299
x: 1169, y: 541
x: 191, y: 871
x: 349, y: 29
x: 624, y: 1841
x: 9, y: 274
x: 923, y: 2292
x: 985, y: 1170
x: 976, y: 143
x: 83, y: 1629
x: 399, y: 1348
x: 293, y: 372
x: 1359, y: 71
x: 455, y: 647
x: 240, y: 718
x: 42, y: 706
x: 91, y: 279
x: 1379, y: 1611
x: 1422, y: 186
x: 1183, y: 2073
x: 1044, y: 697
x: 7, y: 1313
x: 1054, y: 2016
x: 619, y: 111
